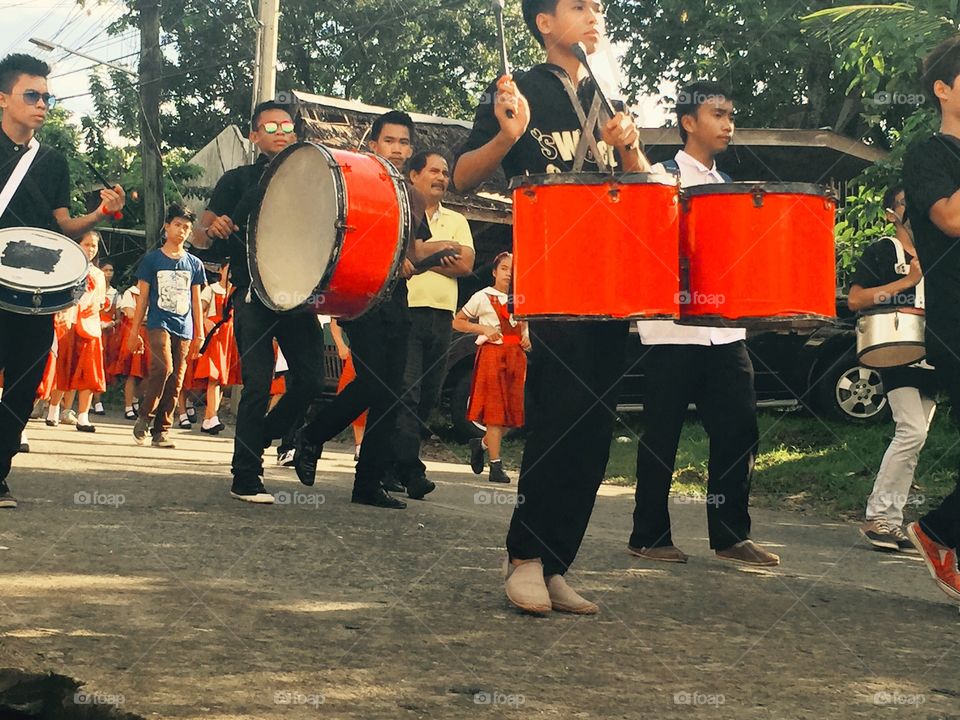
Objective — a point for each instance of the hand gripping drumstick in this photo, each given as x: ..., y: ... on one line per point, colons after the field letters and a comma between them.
x: 502, y: 42
x: 106, y: 183
x: 580, y: 52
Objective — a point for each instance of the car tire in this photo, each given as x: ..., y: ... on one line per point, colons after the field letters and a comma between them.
x: 850, y: 392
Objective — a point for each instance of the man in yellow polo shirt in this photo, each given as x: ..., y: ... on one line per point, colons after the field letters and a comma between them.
x: 432, y: 297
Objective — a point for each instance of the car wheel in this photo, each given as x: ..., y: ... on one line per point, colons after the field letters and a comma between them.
x: 849, y: 391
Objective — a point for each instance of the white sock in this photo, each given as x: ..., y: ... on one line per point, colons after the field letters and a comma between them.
x: 53, y: 413
x: 98, y: 407
x: 495, y: 462
x: 83, y: 418
x: 212, y: 422
x: 128, y: 408
x: 184, y: 418
x: 483, y: 444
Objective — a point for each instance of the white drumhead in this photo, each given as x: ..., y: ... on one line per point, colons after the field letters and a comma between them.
x: 296, y: 228
x: 35, y: 259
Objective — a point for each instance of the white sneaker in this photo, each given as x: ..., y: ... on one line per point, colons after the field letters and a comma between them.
x: 68, y: 417
x: 286, y: 459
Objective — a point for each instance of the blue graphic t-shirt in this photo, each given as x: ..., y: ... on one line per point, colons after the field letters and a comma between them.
x: 171, y: 285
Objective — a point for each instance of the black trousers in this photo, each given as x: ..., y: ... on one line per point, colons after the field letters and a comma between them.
x: 378, y: 343
x: 574, y: 381
x: 426, y: 366
x: 943, y: 523
x: 301, y: 340
x: 25, y: 342
x: 719, y: 379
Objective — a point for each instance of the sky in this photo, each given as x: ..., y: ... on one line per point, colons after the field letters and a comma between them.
x: 85, y: 29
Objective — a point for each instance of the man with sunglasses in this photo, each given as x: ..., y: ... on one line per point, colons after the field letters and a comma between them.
x: 41, y: 200
x: 224, y: 222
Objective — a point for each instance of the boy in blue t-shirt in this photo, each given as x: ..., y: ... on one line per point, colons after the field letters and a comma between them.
x: 170, y: 280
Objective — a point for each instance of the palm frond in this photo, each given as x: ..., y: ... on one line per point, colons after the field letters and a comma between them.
x: 847, y: 24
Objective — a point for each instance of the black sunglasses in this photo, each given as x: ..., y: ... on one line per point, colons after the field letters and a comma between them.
x: 32, y: 97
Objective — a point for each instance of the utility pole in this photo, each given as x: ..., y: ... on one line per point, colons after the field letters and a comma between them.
x: 151, y: 72
x: 269, y: 24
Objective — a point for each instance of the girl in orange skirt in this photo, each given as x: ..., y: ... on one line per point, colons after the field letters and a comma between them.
x: 132, y: 366
x: 500, y: 369
x: 80, y: 352
x: 108, y: 325
x: 347, y: 375
x: 213, y: 367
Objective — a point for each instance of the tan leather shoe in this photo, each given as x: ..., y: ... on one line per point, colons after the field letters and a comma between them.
x: 526, y: 588
x: 668, y: 553
x: 748, y: 552
x: 564, y: 598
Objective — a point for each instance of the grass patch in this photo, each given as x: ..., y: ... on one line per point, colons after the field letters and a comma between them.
x: 804, y: 463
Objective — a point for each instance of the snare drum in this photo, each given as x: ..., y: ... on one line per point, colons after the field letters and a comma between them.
x: 330, y: 233
x: 758, y: 255
x: 41, y: 272
x: 590, y: 246
x: 891, y: 337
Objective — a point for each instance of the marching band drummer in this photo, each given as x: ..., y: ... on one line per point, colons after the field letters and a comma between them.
x: 37, y: 181
x: 256, y: 326
x: 706, y: 365
x: 576, y: 366
x: 879, y: 281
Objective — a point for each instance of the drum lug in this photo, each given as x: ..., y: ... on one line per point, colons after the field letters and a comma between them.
x: 896, y: 321
x: 757, y: 193
x: 37, y: 301
x: 614, y: 193
x: 530, y: 193
x: 341, y: 225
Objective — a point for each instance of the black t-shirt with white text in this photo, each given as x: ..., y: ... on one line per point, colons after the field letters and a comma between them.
x: 931, y: 172
x: 550, y: 142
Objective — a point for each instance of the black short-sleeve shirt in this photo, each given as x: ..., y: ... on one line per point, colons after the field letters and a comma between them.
x: 45, y: 188
x: 550, y: 142
x: 931, y: 172
x: 876, y: 267
x: 236, y: 195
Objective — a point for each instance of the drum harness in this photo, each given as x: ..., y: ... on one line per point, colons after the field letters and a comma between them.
x: 903, y: 268
x: 18, y: 175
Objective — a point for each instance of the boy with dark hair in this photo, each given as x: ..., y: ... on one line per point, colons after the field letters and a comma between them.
x: 170, y: 280
x: 299, y: 335
x: 931, y: 179
x: 705, y: 365
x: 533, y: 126
x: 41, y: 199
x: 391, y: 137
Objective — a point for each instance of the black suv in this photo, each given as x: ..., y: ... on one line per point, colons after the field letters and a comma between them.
x: 815, y: 369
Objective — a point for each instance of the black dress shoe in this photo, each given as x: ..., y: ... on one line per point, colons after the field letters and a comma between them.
x: 420, y: 486
x: 215, y: 430
x: 86, y: 428
x: 378, y: 498
x: 305, y: 458
x: 391, y: 483
x: 476, y: 455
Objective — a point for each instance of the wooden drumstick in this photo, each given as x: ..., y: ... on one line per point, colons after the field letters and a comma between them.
x: 502, y: 42
x: 106, y: 183
x: 580, y: 52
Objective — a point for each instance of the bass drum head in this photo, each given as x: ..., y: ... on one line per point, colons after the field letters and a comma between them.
x: 295, y: 231
x: 32, y: 259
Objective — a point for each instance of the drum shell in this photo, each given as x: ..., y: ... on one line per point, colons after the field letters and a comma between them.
x: 891, y: 337
x: 370, y: 229
x: 758, y: 256
x: 24, y: 296
x: 603, y: 249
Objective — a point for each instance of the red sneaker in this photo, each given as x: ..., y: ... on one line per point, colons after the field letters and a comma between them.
x: 941, y: 561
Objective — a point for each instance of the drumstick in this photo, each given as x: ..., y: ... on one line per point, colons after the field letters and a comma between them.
x: 580, y: 52
x: 106, y: 183
x: 502, y: 41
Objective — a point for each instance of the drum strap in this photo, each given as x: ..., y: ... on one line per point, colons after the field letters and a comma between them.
x: 588, y: 124
x: 19, y: 173
x: 902, y: 268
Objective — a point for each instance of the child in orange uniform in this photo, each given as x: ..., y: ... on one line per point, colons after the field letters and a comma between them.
x: 500, y: 369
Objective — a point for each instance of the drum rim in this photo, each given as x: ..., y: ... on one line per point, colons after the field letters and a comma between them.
x: 764, y: 186
x: 50, y: 290
x: 888, y: 309
x: 593, y: 178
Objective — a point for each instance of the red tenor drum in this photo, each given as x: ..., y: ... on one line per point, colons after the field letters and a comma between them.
x: 590, y: 246
x: 758, y: 255
x: 330, y: 233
